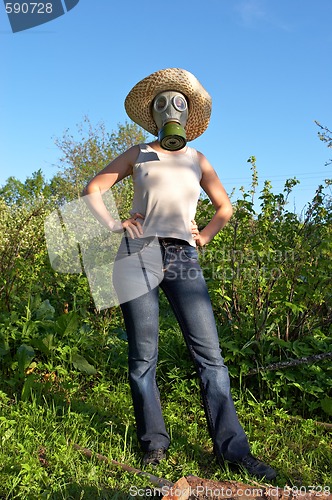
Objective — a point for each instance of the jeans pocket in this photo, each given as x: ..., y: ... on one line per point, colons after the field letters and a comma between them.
x: 130, y: 246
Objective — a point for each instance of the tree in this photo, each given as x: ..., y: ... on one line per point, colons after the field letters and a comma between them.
x: 23, y: 207
x: 84, y: 157
x: 325, y: 136
x: 15, y: 192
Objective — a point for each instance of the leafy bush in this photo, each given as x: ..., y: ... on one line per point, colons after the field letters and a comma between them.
x: 41, y: 349
x: 269, y: 276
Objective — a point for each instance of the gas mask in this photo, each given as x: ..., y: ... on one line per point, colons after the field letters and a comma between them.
x: 170, y: 112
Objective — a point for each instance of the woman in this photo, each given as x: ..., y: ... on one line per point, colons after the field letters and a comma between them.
x: 168, y: 176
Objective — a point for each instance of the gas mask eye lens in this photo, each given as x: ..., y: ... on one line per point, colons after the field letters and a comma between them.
x: 179, y: 103
x: 160, y: 104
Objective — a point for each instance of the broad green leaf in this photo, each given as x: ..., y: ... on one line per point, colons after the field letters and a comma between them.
x: 120, y: 333
x: 26, y: 389
x: 67, y: 324
x: 81, y: 364
x: 45, y: 310
x: 45, y: 345
x: 25, y: 354
x: 327, y: 405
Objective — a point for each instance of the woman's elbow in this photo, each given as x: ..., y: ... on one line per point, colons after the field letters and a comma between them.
x: 89, y: 188
x: 227, y: 211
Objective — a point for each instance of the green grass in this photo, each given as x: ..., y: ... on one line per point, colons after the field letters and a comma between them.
x: 38, y: 461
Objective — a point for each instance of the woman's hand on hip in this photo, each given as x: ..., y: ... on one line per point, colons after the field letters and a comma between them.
x: 133, y: 226
x: 199, y: 238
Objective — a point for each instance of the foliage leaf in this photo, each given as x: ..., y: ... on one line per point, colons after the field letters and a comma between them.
x: 326, y: 404
x: 45, y: 344
x: 67, y: 324
x: 45, y: 311
x: 81, y: 364
x: 25, y: 354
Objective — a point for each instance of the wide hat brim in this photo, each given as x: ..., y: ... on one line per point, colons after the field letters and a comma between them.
x: 138, y: 102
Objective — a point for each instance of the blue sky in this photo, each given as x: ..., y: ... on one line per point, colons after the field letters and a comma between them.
x: 266, y: 64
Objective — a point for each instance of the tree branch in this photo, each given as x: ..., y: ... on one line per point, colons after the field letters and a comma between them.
x: 307, y: 360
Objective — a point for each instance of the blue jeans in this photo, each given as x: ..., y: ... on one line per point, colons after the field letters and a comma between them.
x: 182, y: 281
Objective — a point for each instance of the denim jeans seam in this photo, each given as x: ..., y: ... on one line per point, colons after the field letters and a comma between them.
x: 204, y: 397
x: 155, y: 385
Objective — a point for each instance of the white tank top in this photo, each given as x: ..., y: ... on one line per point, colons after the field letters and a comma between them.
x: 166, y: 192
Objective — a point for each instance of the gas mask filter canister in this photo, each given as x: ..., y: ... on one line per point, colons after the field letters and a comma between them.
x: 170, y: 112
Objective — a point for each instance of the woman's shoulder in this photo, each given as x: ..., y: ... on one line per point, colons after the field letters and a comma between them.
x: 203, y: 161
x: 131, y: 154
x: 198, y: 153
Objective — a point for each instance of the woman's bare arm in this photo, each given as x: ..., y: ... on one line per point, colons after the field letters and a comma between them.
x: 114, y: 172
x: 212, y: 186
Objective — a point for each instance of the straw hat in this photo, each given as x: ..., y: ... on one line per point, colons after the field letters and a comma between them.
x: 138, y: 101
